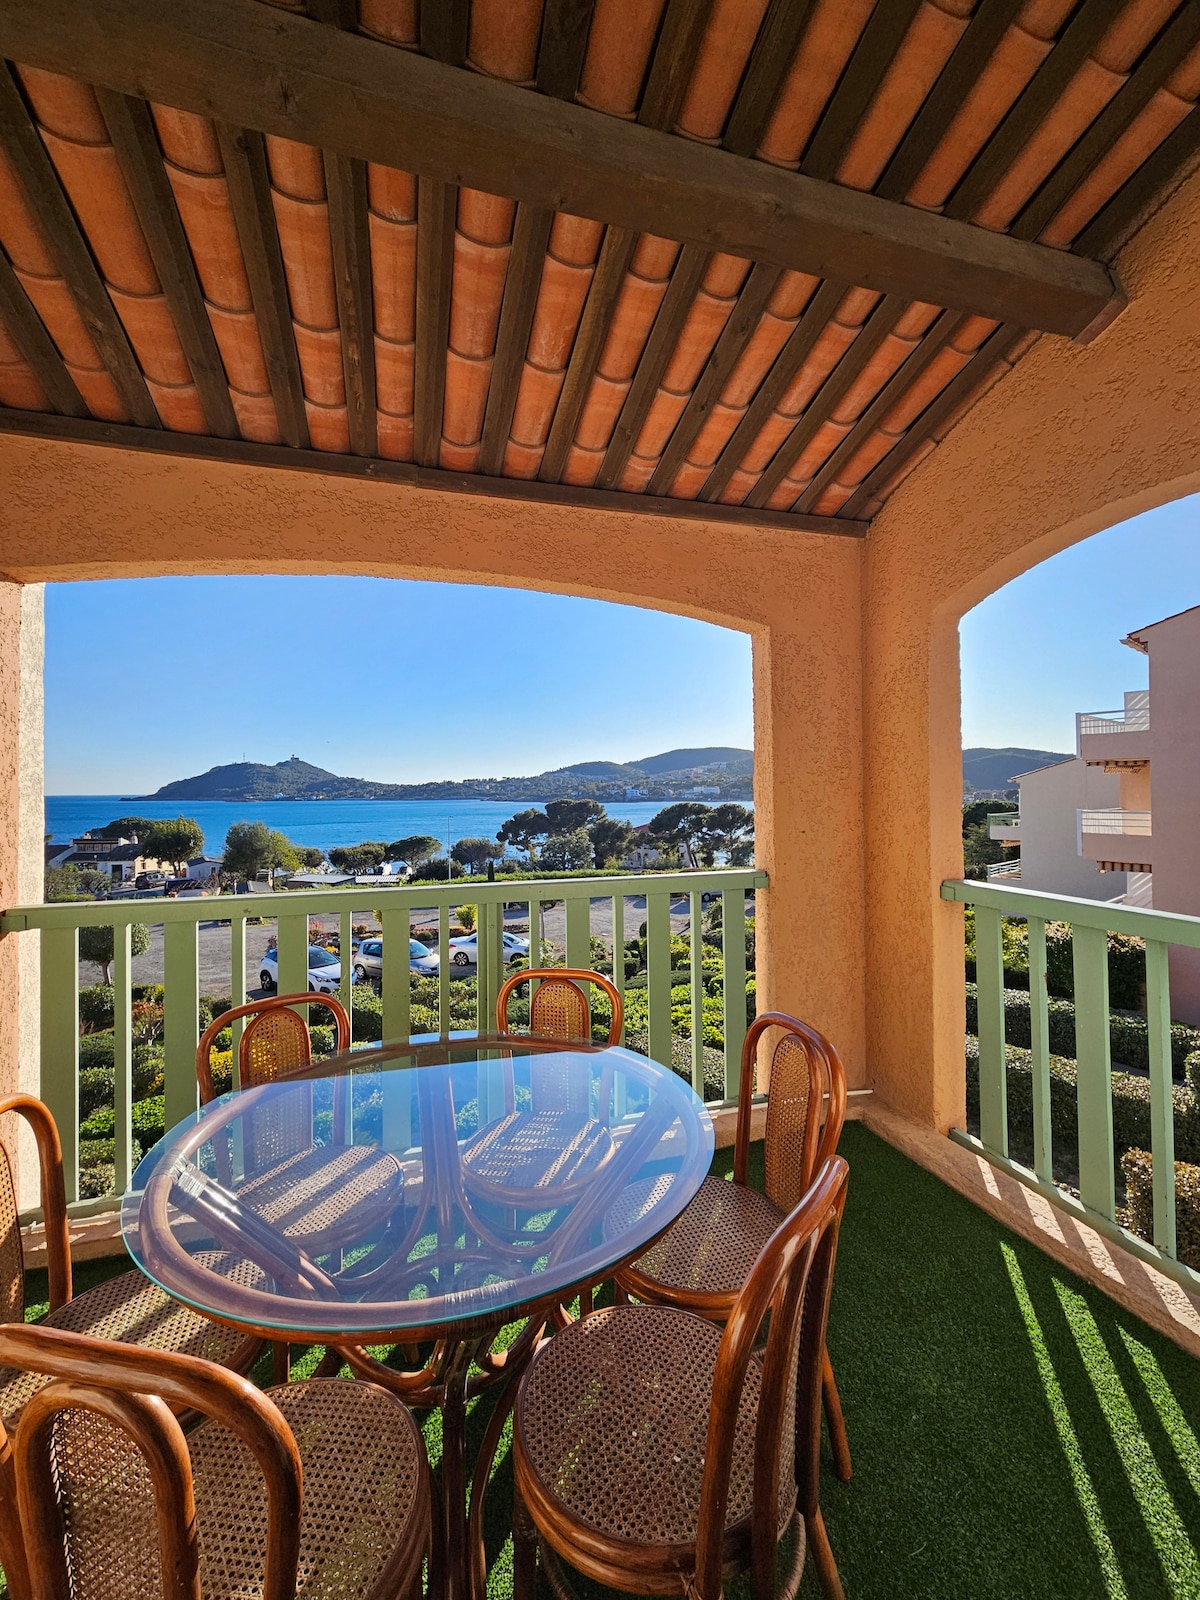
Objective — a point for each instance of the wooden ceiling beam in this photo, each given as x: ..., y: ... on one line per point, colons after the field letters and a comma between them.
x: 254, y: 65
x: 38, y: 349
x: 131, y: 128
x: 238, y: 452
x: 244, y: 155
x: 37, y: 177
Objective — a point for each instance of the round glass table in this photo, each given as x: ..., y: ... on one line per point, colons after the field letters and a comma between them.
x: 428, y: 1191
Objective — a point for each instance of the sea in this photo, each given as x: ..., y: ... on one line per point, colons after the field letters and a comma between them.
x: 323, y: 823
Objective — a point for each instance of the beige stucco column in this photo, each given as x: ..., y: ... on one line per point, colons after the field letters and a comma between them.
x: 22, y: 814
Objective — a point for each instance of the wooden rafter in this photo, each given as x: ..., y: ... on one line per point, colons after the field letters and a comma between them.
x: 131, y: 129
x: 766, y: 73
x: 1141, y: 192
x: 873, y: 55
x: 27, y: 332
x: 40, y: 425
x: 249, y: 64
x: 244, y: 156
x: 37, y: 177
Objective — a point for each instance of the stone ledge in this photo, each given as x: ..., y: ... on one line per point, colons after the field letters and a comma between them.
x: 1134, y: 1284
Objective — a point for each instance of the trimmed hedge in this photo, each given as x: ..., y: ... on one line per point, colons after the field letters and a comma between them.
x: 1126, y: 962
x: 1138, y: 1167
x: 1128, y: 1036
x: 1130, y: 1102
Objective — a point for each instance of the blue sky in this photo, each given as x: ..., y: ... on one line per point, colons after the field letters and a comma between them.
x: 153, y: 679
x: 1049, y: 643
x: 157, y: 679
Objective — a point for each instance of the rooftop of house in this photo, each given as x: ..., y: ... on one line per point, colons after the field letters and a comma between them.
x: 867, y: 213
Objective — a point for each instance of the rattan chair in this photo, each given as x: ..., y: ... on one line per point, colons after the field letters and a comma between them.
x: 127, y: 1307
x: 319, y: 1489
x: 308, y: 1191
x: 701, y: 1262
x: 653, y: 1450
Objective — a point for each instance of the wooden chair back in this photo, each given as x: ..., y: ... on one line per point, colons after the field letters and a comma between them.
x: 276, y: 1041
x: 559, y: 1008
x: 791, y: 1282
x: 54, y: 1213
x: 103, y: 1477
x: 805, y: 1068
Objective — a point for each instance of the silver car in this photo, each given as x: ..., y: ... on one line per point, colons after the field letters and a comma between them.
x: 368, y: 959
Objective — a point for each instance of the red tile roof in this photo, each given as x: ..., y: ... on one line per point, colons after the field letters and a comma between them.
x: 706, y: 380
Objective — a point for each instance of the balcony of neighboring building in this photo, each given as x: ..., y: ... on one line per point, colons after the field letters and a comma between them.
x: 1004, y: 827
x: 1116, y: 740
x: 1116, y: 840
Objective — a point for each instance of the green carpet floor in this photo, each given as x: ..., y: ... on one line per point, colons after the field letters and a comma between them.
x: 1014, y: 1432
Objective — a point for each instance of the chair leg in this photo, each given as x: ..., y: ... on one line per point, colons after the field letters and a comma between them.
x: 837, y: 1423
x: 822, y: 1554
x: 281, y: 1364
x: 524, y: 1551
x: 330, y: 1363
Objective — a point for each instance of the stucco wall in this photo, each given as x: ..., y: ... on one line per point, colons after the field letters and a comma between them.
x: 1071, y: 441
x: 1051, y: 799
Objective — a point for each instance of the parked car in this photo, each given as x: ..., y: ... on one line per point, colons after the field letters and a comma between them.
x: 324, y: 971
x: 464, y: 952
x: 150, y: 880
x: 368, y: 959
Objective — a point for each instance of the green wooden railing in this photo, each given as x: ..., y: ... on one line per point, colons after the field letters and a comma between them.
x: 1091, y: 922
x: 290, y: 910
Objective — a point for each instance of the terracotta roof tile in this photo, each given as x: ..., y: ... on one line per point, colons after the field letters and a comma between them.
x: 320, y: 353
x: 179, y: 406
x: 92, y: 178
x: 688, y: 481
x: 19, y: 388
x: 151, y: 328
x: 633, y: 317
x: 824, y: 51
x: 637, y: 474
x: 394, y: 368
x: 831, y: 500
x: 835, y: 339
x: 256, y: 417
x: 917, y: 319
x: 394, y: 277
x: 700, y: 332
x: 725, y: 276
x: 715, y: 434
x: 810, y: 460
x: 466, y: 398
x: 923, y: 53
x: 485, y: 218
x: 307, y: 259
x: 503, y: 38
x: 100, y: 393
x: 600, y: 412
x: 236, y: 333
x: 57, y: 309
x: 619, y: 45
x: 392, y: 20
x: 947, y: 364
x: 187, y: 139
x: 1185, y: 80
x: 296, y: 169
x: 891, y: 355
x: 521, y: 460
x: 665, y: 411
x: 791, y: 294
x: 65, y: 106
x: 739, y: 486
x: 1044, y: 18
x: 772, y: 434
x: 392, y: 193
x: 575, y: 240
x: 756, y: 359
x: 328, y: 427
x: 866, y: 458
x: 537, y: 396
x: 1131, y: 31
x: 582, y: 466
x: 559, y: 306
x: 654, y: 257
x: 458, y: 457
x: 395, y: 437
x: 207, y: 219
x: 10, y: 355
x: 728, y: 40
x: 477, y: 291
x: 23, y: 240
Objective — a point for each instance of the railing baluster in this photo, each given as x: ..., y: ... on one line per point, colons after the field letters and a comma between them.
x: 618, y: 967
x: 123, y: 1162
x: 733, y: 948
x: 181, y: 1027
x: 237, y: 989
x: 535, y: 933
x: 658, y: 974
x: 346, y: 964
x: 578, y: 908
x: 1162, y: 1101
x: 293, y: 951
x: 397, y: 991
x: 1039, y: 1031
x: 1093, y: 1067
x: 443, y: 912
x: 696, y: 905
x: 993, y: 1062
x: 60, y: 1043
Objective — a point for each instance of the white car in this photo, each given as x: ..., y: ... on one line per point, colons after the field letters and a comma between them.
x: 324, y: 971
x: 368, y: 959
x: 464, y: 952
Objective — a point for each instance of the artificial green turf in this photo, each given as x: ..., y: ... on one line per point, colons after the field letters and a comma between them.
x: 1014, y: 1432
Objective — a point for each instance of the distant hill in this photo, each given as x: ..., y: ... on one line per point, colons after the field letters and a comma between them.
x: 728, y: 770
x: 985, y: 768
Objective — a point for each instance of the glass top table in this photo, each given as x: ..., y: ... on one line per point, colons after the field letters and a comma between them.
x: 417, y: 1190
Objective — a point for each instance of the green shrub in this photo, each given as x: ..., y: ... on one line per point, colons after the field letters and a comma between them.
x: 324, y: 1040
x: 153, y: 992
x: 97, y: 1181
x: 96, y: 1007
x: 96, y: 1088
x: 1138, y: 1167
x: 368, y: 1016
x: 148, y: 1064
x: 1126, y: 961
x: 1129, y: 1038
x: 148, y: 1123
x: 96, y: 1050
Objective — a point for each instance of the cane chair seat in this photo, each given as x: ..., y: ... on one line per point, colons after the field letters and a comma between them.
x: 614, y: 1422
x: 530, y: 1150
x: 132, y: 1310
x: 364, y: 1466
x: 712, y: 1245
x: 312, y: 1194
